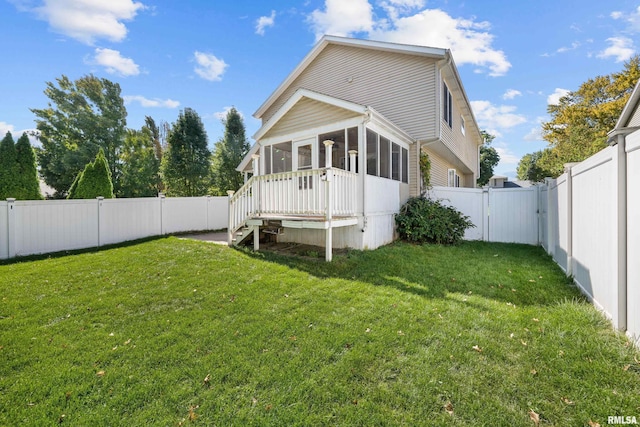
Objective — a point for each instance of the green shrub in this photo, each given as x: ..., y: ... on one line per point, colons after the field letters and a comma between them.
x: 423, y: 220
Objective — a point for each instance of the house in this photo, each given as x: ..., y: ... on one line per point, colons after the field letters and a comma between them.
x: 338, y: 150
x: 499, y: 181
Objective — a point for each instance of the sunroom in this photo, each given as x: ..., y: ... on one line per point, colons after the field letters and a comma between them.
x: 326, y: 172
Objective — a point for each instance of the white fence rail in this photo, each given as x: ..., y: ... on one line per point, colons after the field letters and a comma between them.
x: 294, y: 193
x: 45, y: 226
x: 499, y: 215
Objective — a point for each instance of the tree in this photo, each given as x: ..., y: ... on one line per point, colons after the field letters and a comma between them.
x: 186, y: 165
x: 8, y: 167
x: 93, y: 181
x: 28, y: 184
x: 228, y: 153
x: 489, y: 158
x: 530, y: 167
x: 580, y: 121
x: 82, y: 117
x: 140, y: 166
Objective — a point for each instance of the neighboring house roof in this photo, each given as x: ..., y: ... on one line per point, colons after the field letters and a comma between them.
x: 628, y: 110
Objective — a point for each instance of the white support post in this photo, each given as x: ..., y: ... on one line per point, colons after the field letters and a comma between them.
x: 567, y: 169
x: 230, y: 222
x: 256, y: 238
x: 621, y: 154
x: 352, y: 160
x: 550, y: 237
x: 99, y: 199
x: 11, y: 228
x: 256, y: 164
x: 162, y: 227
x: 328, y: 200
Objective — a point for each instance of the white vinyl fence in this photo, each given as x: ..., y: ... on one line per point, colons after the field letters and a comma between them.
x: 45, y: 226
x: 500, y: 215
x: 593, y: 213
x: 588, y: 220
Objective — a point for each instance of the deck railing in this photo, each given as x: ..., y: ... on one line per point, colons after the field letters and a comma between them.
x: 298, y: 193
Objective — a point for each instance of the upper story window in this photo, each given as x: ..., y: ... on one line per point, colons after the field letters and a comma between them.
x: 447, y: 105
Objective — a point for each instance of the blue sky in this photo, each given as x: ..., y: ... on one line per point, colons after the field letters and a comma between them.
x: 514, y: 57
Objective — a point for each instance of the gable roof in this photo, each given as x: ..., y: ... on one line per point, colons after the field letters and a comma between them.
x: 628, y: 111
x: 431, y: 52
x: 299, y: 95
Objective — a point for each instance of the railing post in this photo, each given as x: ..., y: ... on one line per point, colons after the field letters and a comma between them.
x: 231, y: 219
x: 328, y: 200
x: 352, y: 160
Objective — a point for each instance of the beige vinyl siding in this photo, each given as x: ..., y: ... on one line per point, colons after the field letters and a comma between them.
x: 306, y: 114
x: 414, y: 171
x: 460, y: 144
x: 401, y: 87
x: 635, y: 117
x: 439, y: 168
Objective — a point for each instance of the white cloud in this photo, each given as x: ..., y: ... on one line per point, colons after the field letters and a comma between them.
x: 498, y: 117
x: 631, y: 18
x: 86, y: 20
x: 554, y: 98
x: 535, y: 134
x: 209, y: 67
x: 264, y: 22
x: 511, y: 93
x: 573, y: 46
x: 115, y: 63
x: 6, y: 127
x: 621, y: 48
x: 151, y: 103
x: 342, y: 18
x: 222, y: 115
x: 506, y: 156
x: 469, y: 40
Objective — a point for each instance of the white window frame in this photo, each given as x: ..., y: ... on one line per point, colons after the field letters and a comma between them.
x: 453, y: 179
x: 447, y: 105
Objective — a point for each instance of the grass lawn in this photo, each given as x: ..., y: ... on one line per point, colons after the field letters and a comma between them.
x: 175, y: 332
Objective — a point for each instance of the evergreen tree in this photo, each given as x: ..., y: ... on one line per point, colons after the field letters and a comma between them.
x: 186, y: 163
x: 93, y: 181
x: 8, y: 168
x: 82, y: 116
x: 28, y: 184
x: 140, y: 167
x: 227, y: 155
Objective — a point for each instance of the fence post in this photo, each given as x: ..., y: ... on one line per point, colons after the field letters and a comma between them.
x: 621, y: 207
x: 99, y: 199
x: 567, y: 169
x: 231, y: 219
x: 485, y: 214
x: 208, y: 207
x: 11, y: 228
x: 161, y: 199
x: 550, y: 236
